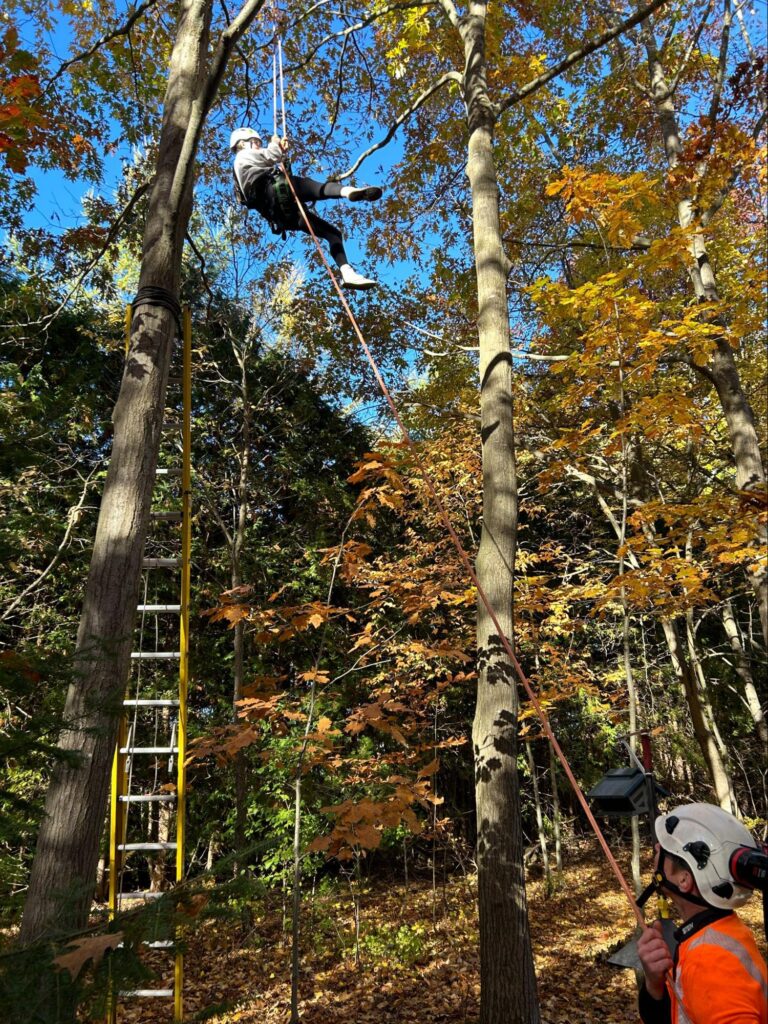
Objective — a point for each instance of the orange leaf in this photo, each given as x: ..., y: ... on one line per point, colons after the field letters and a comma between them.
x: 92, y: 948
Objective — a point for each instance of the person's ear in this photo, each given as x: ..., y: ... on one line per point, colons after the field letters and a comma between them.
x: 687, y: 883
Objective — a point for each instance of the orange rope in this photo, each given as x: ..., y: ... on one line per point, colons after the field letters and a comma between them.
x: 473, y: 576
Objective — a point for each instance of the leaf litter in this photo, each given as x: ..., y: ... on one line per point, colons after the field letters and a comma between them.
x: 418, y: 958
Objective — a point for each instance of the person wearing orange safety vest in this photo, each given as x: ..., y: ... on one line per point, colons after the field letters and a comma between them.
x: 716, y: 974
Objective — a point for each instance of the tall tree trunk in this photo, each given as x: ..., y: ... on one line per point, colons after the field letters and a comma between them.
x: 555, y: 808
x: 539, y: 813
x: 507, y: 979
x: 722, y: 371
x: 629, y: 675
x: 241, y: 763
x: 718, y: 773
x: 751, y: 696
x: 63, y: 870
x: 296, y: 902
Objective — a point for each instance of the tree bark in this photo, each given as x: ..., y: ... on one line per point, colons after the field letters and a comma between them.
x: 751, y: 696
x: 241, y: 763
x: 722, y: 371
x: 539, y: 814
x: 61, y: 882
x: 555, y: 808
x: 718, y: 773
x: 507, y: 979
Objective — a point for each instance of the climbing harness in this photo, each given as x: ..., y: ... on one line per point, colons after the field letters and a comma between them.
x: 285, y: 212
x: 271, y: 197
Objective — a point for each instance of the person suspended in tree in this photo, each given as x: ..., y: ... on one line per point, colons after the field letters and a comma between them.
x: 260, y: 185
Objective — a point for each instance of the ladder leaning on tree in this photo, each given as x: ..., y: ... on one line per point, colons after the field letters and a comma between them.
x: 147, y: 811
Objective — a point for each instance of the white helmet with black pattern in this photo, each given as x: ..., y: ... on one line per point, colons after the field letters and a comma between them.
x: 706, y: 838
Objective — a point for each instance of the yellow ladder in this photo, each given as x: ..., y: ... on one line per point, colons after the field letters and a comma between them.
x: 148, y: 771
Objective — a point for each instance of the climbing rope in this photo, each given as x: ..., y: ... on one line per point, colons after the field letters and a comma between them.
x: 464, y: 557
x: 277, y: 76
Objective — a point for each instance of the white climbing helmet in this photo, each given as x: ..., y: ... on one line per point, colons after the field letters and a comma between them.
x: 242, y: 135
x: 706, y: 837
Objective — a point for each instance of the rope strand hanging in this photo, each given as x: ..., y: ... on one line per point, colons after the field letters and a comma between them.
x: 277, y: 82
x: 277, y: 74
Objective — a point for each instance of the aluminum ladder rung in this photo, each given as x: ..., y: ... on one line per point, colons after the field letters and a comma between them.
x: 158, y: 609
x: 128, y: 847
x: 147, y: 993
x: 165, y: 517
x: 155, y: 655
x: 148, y: 798
x: 160, y: 563
x: 166, y: 471
x: 149, y: 750
x: 140, y: 702
x: 140, y: 895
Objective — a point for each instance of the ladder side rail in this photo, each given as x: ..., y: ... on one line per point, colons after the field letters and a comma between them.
x: 186, y: 546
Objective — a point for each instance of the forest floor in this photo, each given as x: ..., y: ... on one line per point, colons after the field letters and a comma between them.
x: 418, y: 960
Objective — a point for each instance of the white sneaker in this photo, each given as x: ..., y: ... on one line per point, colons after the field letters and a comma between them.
x: 352, y: 279
x: 361, y: 195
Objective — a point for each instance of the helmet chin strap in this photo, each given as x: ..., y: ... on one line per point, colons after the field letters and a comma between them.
x: 662, y: 885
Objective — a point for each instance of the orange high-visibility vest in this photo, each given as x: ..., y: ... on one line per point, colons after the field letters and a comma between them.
x: 720, y: 978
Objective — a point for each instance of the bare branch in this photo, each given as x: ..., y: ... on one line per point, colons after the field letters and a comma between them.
x: 717, y: 92
x: 73, y: 518
x: 753, y: 59
x: 111, y: 235
x: 449, y: 76
x: 576, y: 55
x: 114, y: 34
x: 203, y: 274
x: 339, y: 87
x: 691, y: 47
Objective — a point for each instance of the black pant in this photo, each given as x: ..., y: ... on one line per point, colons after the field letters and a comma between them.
x: 309, y: 190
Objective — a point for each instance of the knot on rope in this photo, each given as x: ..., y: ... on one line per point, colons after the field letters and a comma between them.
x: 155, y: 295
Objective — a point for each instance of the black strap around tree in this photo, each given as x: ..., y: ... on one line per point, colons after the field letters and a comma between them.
x: 155, y: 295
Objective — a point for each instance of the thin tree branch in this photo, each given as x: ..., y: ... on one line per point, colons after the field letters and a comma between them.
x: 114, y: 34
x: 576, y: 55
x: 639, y: 245
x: 73, y: 518
x: 203, y: 274
x: 449, y: 76
x: 717, y: 92
x: 339, y: 87
x: 753, y: 60
x: 111, y: 235
x: 674, y: 81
